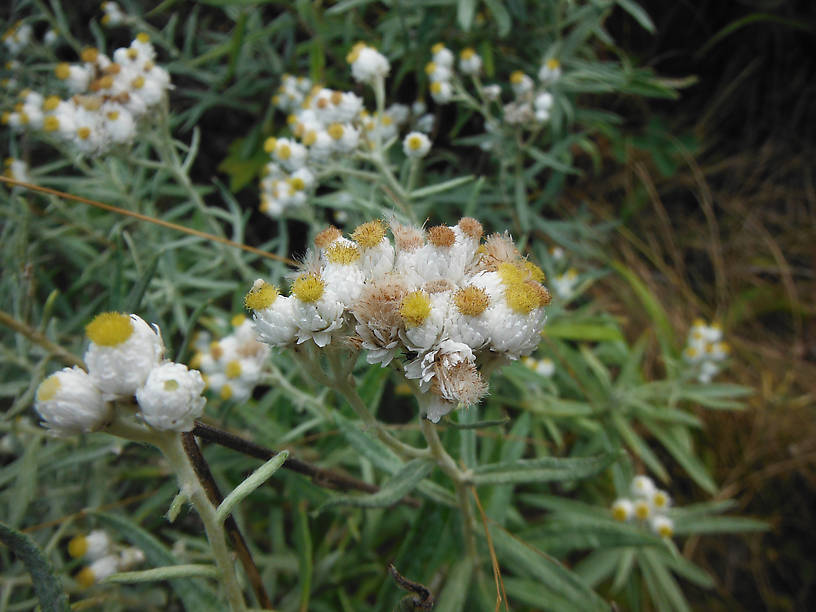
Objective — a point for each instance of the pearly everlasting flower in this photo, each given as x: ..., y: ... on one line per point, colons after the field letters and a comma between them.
x: 70, y: 403
x: 564, y: 284
x: 438, y: 73
x: 123, y: 351
x: 16, y: 169
x: 662, y: 526
x: 643, y: 487
x: 469, y: 62
x: 51, y: 37
x: 705, y: 350
x: 542, y: 103
x: 550, y: 71
x: 521, y: 83
x: 491, y: 93
x: 416, y: 145
x: 623, y: 510
x: 543, y: 367
x: 17, y: 37
x: 441, y: 92
x: 442, y: 55
x: 317, y: 310
x: 170, y: 399
x: 98, y: 571
x: 93, y: 546
x: 114, y: 15
x: 367, y: 64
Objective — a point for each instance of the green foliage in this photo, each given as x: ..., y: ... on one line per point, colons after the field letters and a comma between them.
x: 544, y: 456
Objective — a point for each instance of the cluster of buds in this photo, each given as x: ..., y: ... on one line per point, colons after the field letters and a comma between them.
x: 435, y: 304
x: 103, y: 556
x: 232, y: 365
x: 17, y: 37
x: 329, y: 127
x: 124, y: 361
x: 647, y: 505
x: 109, y: 98
x: 532, y: 103
x: 705, y: 350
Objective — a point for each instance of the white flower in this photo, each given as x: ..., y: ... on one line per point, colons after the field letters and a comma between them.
x: 662, y: 526
x: 442, y: 55
x: 564, y: 284
x: 367, y: 64
x: 491, y: 93
x: 92, y: 546
x: 377, y: 253
x: 273, y: 314
x: 114, y: 15
x: 543, y: 103
x: 521, y: 83
x: 98, y: 571
x: 469, y: 62
x: 130, y: 557
x: 550, y: 71
x: 69, y: 403
x: 170, y: 399
x: 424, y: 316
x: 416, y: 145
x: 643, y: 487
x: 543, y: 367
x: 317, y: 310
x: 438, y: 73
x: 123, y: 351
x: 623, y: 510
x: 441, y: 92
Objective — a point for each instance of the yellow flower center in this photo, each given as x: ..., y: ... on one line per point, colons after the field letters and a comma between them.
x: 415, y: 308
x: 511, y: 273
x: 226, y: 392
x: 430, y: 67
x: 516, y: 77
x: 619, y: 513
x: 63, y: 71
x: 84, y: 133
x: 553, y: 64
x: 85, y: 577
x: 665, y: 530
x: 335, y: 130
x: 471, y: 301
x: 78, y: 546
x: 138, y: 82
x: 308, y: 288
x: 283, y: 151
x: 51, y: 103
x: 48, y: 388
x: 436, y: 87
x: 467, y: 53
x: 51, y: 124
x: 89, y: 54
x: 437, y: 48
x: 113, y: 115
x: 143, y: 37
x: 522, y: 298
x: 369, y: 234
x: 233, y: 369
x: 660, y: 500
x: 270, y: 143
x: 414, y: 142
x: 261, y: 296
x: 344, y: 254
x: 642, y: 510
x: 109, y: 329
x: 171, y: 385
x: 534, y: 272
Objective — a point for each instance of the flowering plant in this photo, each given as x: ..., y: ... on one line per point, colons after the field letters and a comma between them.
x: 412, y: 359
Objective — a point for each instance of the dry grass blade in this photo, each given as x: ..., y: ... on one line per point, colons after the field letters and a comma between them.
x: 494, y: 561
x: 149, y: 219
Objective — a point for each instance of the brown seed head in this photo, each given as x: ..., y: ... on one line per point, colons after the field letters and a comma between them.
x: 327, y: 236
x: 441, y: 236
x: 471, y: 227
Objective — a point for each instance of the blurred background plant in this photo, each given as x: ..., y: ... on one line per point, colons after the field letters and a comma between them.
x: 645, y: 212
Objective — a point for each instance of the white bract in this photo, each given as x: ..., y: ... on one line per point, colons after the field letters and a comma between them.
x: 171, y: 397
x: 70, y: 403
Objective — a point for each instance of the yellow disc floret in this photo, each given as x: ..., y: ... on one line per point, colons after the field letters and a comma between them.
x: 233, y: 369
x: 534, y: 272
x: 369, y: 234
x: 225, y: 393
x: 238, y: 320
x: 171, y: 385
x: 665, y: 530
x: 516, y: 77
x: 308, y: 288
x: 619, y: 513
x: 341, y: 253
x: 415, y: 142
x: 335, y: 130
x: 261, y: 296
x: 467, y: 53
x: 553, y: 64
x: 522, y: 298
x: 471, y: 301
x: 85, y: 577
x: 511, y: 273
x: 109, y: 329
x: 48, y: 388
x: 78, y: 546
x: 437, y: 48
x: 63, y: 70
x: 89, y: 54
x: 642, y: 510
x: 270, y: 144
x: 51, y: 124
x: 51, y: 103
x: 415, y: 308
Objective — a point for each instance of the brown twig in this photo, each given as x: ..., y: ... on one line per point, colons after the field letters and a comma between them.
x: 320, y: 476
x: 38, y: 338
x: 205, y: 477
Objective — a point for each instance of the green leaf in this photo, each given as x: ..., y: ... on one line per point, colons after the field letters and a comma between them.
x: 665, y: 334
x: 194, y: 594
x: 660, y: 581
x: 501, y: 16
x: 545, y: 469
x: 554, y: 577
x: 249, y: 484
x: 46, y: 585
x: 303, y: 544
x: 372, y: 449
x: 638, y: 14
x: 454, y: 594
x: 402, y: 483
x: 718, y: 524
x: 165, y: 573
x: 590, y: 332
x: 465, y: 11
x: 684, y: 456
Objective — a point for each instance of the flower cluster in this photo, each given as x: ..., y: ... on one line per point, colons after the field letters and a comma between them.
x: 532, y: 103
x: 232, y: 365
x: 17, y: 37
x: 108, y: 98
x: 705, y: 350
x: 124, y: 361
x: 330, y: 128
x: 114, y: 15
x: 648, y: 505
x: 104, y: 558
x: 440, y: 299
